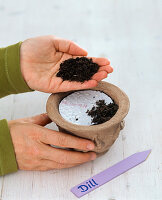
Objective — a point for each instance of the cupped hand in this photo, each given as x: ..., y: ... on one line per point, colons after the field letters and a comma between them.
x: 40, y: 60
x: 32, y: 145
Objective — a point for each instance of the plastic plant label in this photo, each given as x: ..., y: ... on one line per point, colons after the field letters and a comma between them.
x: 110, y: 173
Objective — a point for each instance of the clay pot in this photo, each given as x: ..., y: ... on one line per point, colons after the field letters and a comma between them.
x: 103, y: 135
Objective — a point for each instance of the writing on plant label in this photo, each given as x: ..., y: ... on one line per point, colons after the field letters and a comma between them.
x: 89, y: 184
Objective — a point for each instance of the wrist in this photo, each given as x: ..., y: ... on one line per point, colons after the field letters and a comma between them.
x: 22, y: 65
x: 8, y: 162
x: 13, y: 70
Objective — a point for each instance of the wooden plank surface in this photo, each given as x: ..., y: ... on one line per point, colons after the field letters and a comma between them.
x: 129, y: 34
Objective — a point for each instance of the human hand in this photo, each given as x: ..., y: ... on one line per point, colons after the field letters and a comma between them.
x: 32, y: 145
x: 40, y: 59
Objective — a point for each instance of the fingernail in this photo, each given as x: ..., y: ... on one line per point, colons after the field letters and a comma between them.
x: 90, y: 146
x: 93, y: 156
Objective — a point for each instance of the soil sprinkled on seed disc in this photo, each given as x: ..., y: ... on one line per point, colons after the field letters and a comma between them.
x: 87, y: 107
x: 102, y: 112
x: 78, y: 69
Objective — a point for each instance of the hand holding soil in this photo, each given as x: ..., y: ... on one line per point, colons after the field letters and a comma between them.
x: 40, y: 62
x: 32, y: 145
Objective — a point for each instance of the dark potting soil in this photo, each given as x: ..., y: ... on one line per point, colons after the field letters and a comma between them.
x: 78, y: 69
x: 102, y: 112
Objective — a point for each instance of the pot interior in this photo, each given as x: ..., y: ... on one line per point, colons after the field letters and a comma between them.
x: 119, y: 97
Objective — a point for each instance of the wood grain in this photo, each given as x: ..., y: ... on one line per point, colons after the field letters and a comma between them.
x: 129, y: 34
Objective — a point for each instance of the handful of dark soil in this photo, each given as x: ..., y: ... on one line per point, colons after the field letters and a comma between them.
x: 102, y: 112
x: 79, y: 69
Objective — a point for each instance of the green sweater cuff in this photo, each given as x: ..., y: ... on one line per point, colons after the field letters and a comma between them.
x: 8, y: 162
x: 11, y: 80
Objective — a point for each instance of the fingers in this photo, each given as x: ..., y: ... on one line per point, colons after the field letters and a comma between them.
x: 66, y: 157
x: 65, y: 140
x: 99, y: 76
x: 106, y: 68
x: 101, y: 61
x: 49, y: 165
x: 69, y: 47
x: 41, y: 119
x: 104, y: 64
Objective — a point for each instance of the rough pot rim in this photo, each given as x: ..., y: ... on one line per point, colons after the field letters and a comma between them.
x: 111, y: 90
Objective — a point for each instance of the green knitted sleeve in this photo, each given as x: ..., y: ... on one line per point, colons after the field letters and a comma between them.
x: 8, y: 162
x: 11, y: 82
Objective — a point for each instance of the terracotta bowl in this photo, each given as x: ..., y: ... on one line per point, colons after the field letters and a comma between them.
x: 103, y: 135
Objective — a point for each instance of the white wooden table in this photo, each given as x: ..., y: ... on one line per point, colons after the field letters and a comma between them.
x: 129, y: 34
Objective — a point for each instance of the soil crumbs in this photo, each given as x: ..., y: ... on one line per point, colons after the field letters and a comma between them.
x: 102, y: 112
x: 78, y: 69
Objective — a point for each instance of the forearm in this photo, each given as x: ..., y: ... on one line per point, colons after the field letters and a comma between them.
x: 8, y: 162
x: 11, y: 80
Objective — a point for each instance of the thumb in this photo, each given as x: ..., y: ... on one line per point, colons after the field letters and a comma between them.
x: 41, y: 119
x: 69, y: 47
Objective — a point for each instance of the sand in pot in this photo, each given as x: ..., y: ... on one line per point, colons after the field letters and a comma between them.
x: 103, y: 135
